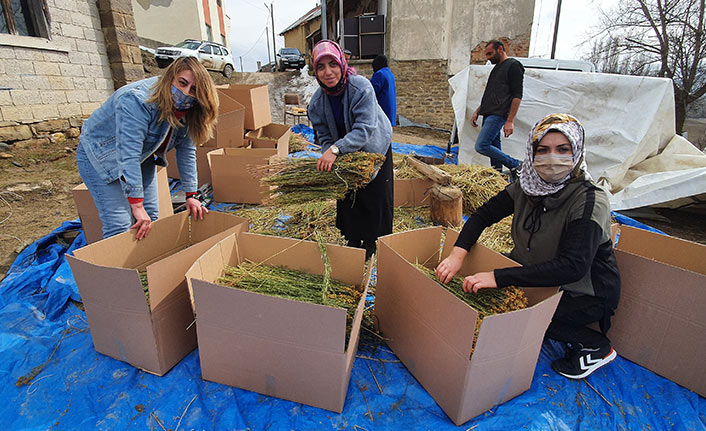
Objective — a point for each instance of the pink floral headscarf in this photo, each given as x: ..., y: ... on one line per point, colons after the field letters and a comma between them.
x: 330, y: 48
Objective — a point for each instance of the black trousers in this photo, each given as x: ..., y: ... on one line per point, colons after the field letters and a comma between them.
x: 573, y: 314
x: 366, y: 214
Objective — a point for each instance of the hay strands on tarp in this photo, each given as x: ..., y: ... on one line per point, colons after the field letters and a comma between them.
x: 298, y: 181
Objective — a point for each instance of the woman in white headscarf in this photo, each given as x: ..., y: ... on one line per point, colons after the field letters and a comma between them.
x: 562, y: 234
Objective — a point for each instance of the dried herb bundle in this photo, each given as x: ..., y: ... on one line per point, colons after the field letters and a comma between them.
x: 298, y: 181
x: 486, y: 301
x: 297, y: 143
x: 291, y: 284
x: 143, y: 280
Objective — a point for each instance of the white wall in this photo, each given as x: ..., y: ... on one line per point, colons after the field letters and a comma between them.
x: 449, y: 29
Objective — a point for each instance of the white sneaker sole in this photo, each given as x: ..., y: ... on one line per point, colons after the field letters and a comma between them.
x: 593, y: 367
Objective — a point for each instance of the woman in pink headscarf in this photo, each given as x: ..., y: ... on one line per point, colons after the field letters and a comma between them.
x: 346, y: 117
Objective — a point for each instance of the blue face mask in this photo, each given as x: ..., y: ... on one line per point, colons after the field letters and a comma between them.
x: 182, y: 101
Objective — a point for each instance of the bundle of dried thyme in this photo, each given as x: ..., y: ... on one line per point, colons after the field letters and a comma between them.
x: 298, y: 181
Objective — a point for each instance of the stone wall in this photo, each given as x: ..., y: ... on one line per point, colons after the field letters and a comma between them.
x: 422, y: 90
x: 516, y: 47
x: 64, y: 77
x: 37, y: 133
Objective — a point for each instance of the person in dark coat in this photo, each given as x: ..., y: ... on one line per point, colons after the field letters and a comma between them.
x: 347, y: 118
x: 385, y: 90
x: 561, y: 229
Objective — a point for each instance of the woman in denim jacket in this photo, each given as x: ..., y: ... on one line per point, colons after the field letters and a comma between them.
x: 346, y: 117
x: 127, y: 137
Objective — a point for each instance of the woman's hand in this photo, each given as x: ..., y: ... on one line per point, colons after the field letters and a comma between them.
x: 195, y: 209
x: 450, y: 266
x: 326, y: 161
x: 143, y: 223
x: 481, y: 280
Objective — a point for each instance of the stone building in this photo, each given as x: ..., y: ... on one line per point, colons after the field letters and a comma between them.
x: 60, y: 61
x: 304, y: 32
x: 427, y: 42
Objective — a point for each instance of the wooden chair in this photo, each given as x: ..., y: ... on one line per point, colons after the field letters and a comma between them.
x: 292, y: 106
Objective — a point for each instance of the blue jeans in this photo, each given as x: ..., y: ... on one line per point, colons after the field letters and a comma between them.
x: 113, y: 206
x: 488, y: 143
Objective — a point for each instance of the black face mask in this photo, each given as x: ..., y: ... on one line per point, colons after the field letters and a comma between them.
x: 335, y: 89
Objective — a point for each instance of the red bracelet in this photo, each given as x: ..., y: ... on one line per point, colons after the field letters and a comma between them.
x: 135, y: 200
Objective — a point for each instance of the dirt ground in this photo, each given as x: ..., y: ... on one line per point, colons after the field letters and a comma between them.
x: 35, y: 195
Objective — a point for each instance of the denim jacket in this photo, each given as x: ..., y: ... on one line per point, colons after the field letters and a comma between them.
x: 125, y: 131
x: 367, y: 126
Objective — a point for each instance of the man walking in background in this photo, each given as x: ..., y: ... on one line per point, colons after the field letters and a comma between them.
x: 385, y: 89
x: 499, y: 106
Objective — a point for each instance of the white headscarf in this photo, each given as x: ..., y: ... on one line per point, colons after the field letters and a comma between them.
x: 530, y: 181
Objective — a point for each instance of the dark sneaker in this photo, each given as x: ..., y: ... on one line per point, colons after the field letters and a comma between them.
x: 579, y: 364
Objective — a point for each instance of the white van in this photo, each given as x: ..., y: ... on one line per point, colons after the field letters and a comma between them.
x: 554, y: 64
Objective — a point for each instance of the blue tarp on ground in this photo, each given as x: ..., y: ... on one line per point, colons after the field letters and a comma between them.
x: 78, y: 388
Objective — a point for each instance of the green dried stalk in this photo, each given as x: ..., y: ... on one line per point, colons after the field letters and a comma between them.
x: 477, y: 183
x: 486, y: 302
x: 297, y: 143
x: 143, y: 280
x: 298, y: 181
x: 292, y: 284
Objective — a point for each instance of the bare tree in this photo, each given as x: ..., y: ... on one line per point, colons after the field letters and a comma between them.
x: 606, y: 55
x: 663, y: 38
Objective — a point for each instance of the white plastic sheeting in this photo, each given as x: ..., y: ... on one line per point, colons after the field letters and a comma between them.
x: 632, y: 148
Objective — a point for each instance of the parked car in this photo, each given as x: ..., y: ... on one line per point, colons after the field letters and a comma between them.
x: 289, y: 58
x: 212, y: 55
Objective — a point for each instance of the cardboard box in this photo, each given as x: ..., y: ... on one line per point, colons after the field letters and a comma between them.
x: 431, y: 330
x: 88, y: 213
x: 231, y: 123
x: 229, y: 133
x: 255, y: 98
x: 154, y: 336
x: 412, y: 192
x: 230, y: 177
x: 202, y: 167
x: 660, y: 322
x: 274, y: 346
x: 271, y: 136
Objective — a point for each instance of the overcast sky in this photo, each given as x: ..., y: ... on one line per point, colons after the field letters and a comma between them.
x: 249, y: 18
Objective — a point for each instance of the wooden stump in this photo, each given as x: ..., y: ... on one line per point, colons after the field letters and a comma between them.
x: 447, y: 206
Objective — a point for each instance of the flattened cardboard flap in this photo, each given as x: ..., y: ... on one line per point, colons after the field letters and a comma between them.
x: 662, y: 248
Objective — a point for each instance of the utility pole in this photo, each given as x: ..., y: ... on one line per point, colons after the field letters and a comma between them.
x: 324, y: 35
x: 272, y: 16
x: 341, y: 27
x: 241, y: 63
x: 267, y: 38
x: 556, y: 28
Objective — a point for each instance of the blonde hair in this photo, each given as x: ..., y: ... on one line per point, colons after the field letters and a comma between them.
x: 202, y: 116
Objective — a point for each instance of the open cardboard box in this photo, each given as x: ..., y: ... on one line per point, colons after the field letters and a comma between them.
x: 412, y: 192
x: 255, y: 99
x: 274, y: 346
x: 660, y: 322
x: 431, y: 330
x: 204, y: 171
x: 271, y: 136
x: 88, y: 213
x: 229, y: 133
x: 155, y: 336
x: 230, y: 177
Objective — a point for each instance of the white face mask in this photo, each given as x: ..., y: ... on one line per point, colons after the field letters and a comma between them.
x: 553, y: 168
